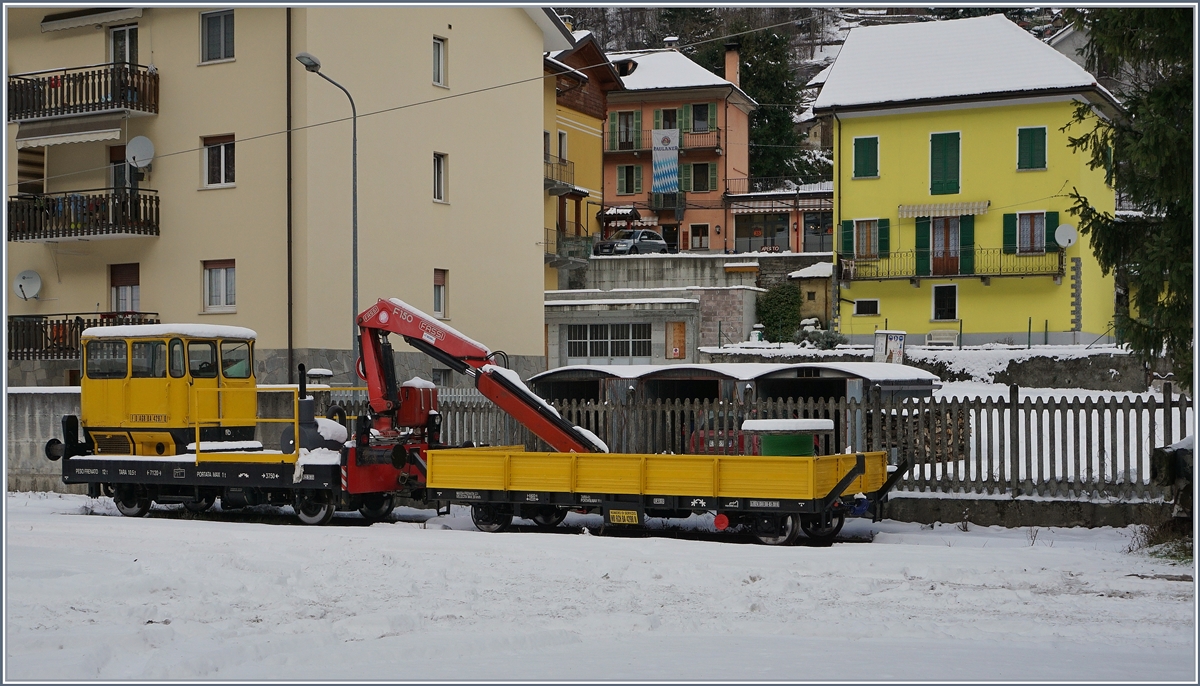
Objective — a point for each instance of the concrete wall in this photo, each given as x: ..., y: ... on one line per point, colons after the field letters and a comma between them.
x: 677, y: 271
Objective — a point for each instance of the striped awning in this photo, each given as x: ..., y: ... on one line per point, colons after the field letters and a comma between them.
x: 38, y: 134
x: 947, y: 209
x: 780, y: 205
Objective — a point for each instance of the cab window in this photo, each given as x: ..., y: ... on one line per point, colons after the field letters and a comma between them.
x: 106, y: 359
x: 178, y: 369
x: 202, y: 359
x: 149, y: 360
x: 235, y: 359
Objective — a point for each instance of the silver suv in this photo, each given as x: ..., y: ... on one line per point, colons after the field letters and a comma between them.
x: 631, y: 242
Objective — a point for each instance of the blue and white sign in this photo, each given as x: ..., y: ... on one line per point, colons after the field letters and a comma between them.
x: 665, y: 159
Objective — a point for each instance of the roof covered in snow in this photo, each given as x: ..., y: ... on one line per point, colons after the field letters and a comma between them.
x: 980, y: 56
x: 669, y: 68
x: 820, y: 270
x: 163, y: 330
x: 746, y: 371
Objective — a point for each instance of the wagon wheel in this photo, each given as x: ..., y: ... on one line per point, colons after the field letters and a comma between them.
x: 376, y: 507
x: 132, y: 501
x: 549, y: 517
x: 200, y: 504
x: 815, y: 528
x: 786, y: 531
x: 488, y: 518
x: 312, y: 511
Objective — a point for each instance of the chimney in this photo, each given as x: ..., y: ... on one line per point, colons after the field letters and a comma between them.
x: 733, y: 64
x: 671, y: 41
x: 568, y: 20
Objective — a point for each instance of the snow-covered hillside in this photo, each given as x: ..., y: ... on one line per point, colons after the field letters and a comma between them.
x: 95, y: 596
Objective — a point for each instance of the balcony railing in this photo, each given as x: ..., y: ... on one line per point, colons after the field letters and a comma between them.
x: 56, y: 336
x: 667, y: 201
x: 563, y: 249
x: 82, y: 90
x: 633, y: 140
x: 792, y: 184
x: 979, y: 262
x: 559, y: 172
x: 91, y: 213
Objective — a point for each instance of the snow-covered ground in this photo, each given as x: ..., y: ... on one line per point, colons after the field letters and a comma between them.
x: 93, y: 595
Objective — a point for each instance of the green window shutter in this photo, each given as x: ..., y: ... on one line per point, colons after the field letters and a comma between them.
x: 1039, y: 149
x: 612, y: 131
x: 621, y: 189
x: 1010, y: 235
x: 943, y: 163
x: 866, y: 157
x: 637, y: 129
x: 685, y: 119
x: 712, y: 176
x: 658, y: 119
x: 922, y: 246
x: 1031, y: 148
x: 637, y: 178
x: 1051, y: 225
x: 848, y: 239
x: 685, y: 177
x: 966, y: 244
x: 712, y: 116
x: 885, y: 237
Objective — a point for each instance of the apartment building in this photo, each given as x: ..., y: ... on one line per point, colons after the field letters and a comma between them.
x: 245, y: 214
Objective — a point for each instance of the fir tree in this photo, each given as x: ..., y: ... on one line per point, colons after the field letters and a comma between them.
x: 1147, y: 152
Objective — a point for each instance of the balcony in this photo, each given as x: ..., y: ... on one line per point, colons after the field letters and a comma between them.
x: 559, y: 176
x: 982, y: 263
x: 565, y: 250
x: 660, y: 202
x: 56, y: 336
x: 83, y: 215
x: 74, y: 91
x: 631, y: 140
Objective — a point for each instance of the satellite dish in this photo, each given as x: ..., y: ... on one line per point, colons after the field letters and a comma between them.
x: 27, y: 284
x: 1065, y: 235
x: 139, y: 152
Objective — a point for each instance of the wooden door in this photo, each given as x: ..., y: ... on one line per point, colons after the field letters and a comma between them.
x: 944, y: 245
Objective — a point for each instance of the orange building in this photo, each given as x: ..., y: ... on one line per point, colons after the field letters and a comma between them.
x: 666, y: 90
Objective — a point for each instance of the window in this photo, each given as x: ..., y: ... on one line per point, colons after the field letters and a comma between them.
x: 31, y: 170
x: 629, y: 179
x: 700, y: 119
x: 177, y: 366
x: 865, y: 308
x: 699, y: 236
x: 608, y: 340
x: 439, y: 292
x: 562, y: 144
x: 866, y: 238
x: 1031, y: 148
x: 943, y: 163
x: 698, y: 177
x: 235, y: 359
x: 752, y: 232
x: 866, y: 157
x: 626, y: 128
x: 812, y: 296
x: 217, y: 40
x: 439, y: 177
x: 220, y: 286
x: 546, y: 144
x: 441, y: 377
x: 439, y: 61
x: 123, y: 281
x: 670, y: 119
x: 106, y: 359
x: 818, y: 232
x: 149, y: 360
x: 1031, y: 232
x: 202, y: 359
x: 123, y: 41
x: 219, y: 160
x: 945, y: 303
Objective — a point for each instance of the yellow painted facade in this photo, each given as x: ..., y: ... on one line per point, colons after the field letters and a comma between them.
x: 1076, y: 307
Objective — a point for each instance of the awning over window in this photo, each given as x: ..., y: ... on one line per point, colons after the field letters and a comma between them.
x: 619, y: 213
x: 88, y: 17
x: 948, y: 209
x: 780, y: 205
x: 37, y: 134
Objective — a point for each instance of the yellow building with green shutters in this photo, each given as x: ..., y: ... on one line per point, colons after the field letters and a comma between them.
x: 952, y: 175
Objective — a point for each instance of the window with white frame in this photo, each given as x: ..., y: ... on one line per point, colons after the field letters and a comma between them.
x: 440, y: 292
x: 1031, y: 232
x: 217, y: 38
x: 218, y: 160
x: 864, y: 307
x: 439, y: 61
x: 220, y: 286
x: 439, y: 177
x: 699, y: 236
x: 619, y: 342
x: 124, y: 280
x: 866, y: 238
x: 562, y: 145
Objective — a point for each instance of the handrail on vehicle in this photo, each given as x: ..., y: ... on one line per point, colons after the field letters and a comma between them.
x: 294, y: 420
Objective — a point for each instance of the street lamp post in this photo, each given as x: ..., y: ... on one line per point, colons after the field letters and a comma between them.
x: 312, y: 64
